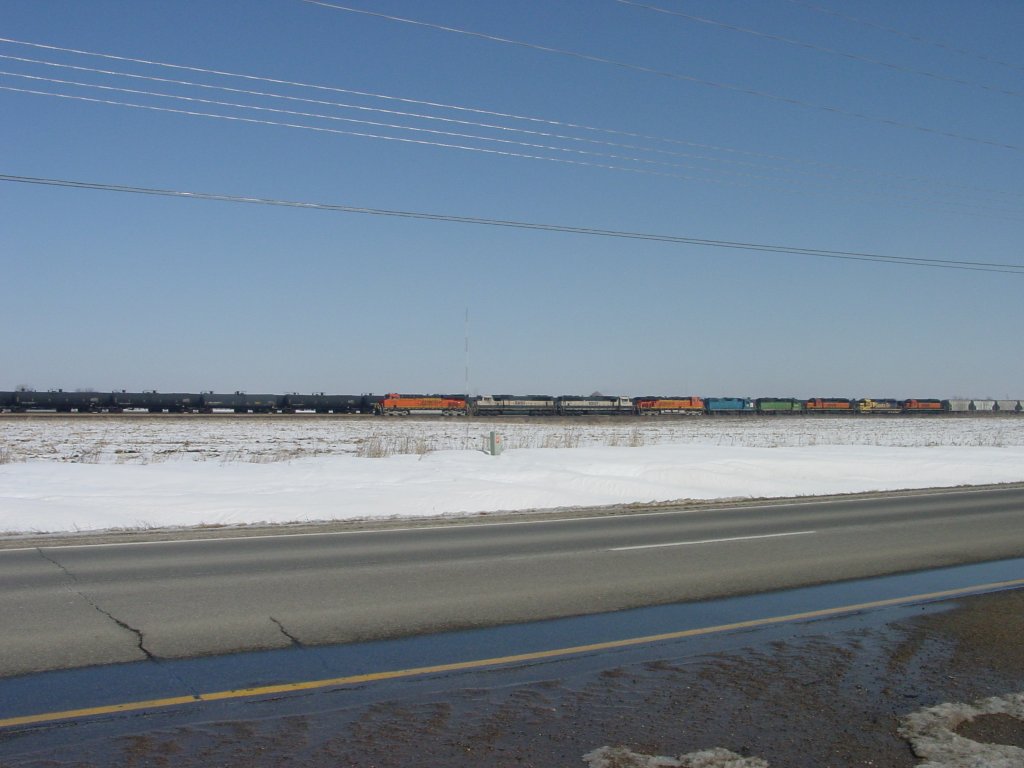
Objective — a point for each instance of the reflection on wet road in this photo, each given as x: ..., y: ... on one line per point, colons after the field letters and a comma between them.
x: 300, y: 680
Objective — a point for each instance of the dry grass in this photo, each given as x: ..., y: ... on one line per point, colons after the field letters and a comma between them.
x: 228, y: 439
x: 92, y: 454
x: 381, y: 446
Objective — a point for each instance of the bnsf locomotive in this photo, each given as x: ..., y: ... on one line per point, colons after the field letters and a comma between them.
x: 483, y: 405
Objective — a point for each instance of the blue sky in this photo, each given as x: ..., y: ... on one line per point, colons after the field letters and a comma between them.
x: 855, y: 132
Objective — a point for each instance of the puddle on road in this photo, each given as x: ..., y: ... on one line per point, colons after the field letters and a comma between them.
x: 738, y: 673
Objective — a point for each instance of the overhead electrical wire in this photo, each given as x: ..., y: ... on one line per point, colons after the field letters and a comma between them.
x: 731, y: 87
x: 395, y: 126
x: 361, y: 134
x: 400, y: 99
x: 820, y: 48
x: 465, y: 109
x: 953, y: 206
x: 377, y: 124
x: 395, y: 112
x: 914, y: 201
x: 748, y: 180
x: 974, y: 266
x: 948, y: 47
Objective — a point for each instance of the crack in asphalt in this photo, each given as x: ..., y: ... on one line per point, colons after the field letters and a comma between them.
x: 139, y: 637
x: 124, y: 625
x: 67, y: 573
x: 295, y: 641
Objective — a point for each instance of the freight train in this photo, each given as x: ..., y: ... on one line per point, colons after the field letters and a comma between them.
x: 482, y: 405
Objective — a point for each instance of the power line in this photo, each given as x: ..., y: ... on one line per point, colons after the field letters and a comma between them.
x: 955, y: 207
x: 908, y: 35
x: 462, y: 108
x: 528, y: 145
x: 976, y: 266
x: 397, y: 113
x: 731, y: 87
x: 958, y: 208
x: 820, y: 48
x: 376, y: 124
x: 362, y: 134
x: 369, y: 94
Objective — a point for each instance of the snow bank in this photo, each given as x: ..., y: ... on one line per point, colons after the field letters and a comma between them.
x: 42, y: 496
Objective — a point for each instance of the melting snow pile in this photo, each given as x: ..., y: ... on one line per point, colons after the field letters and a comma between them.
x: 931, y: 733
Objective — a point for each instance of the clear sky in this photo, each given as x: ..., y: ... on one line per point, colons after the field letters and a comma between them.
x: 875, y: 127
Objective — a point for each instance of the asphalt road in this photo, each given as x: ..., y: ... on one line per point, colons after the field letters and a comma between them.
x: 69, y: 606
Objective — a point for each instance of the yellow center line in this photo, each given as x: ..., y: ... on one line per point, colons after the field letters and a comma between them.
x: 307, y: 685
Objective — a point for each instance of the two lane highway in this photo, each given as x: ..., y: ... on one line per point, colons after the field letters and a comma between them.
x: 78, y: 605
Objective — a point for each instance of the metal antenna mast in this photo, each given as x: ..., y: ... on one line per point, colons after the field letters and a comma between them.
x: 467, y: 351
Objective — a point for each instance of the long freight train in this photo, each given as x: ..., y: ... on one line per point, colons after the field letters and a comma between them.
x: 482, y: 405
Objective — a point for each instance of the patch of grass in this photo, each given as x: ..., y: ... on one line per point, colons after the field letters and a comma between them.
x: 92, y: 454
x: 379, y: 446
x: 373, y: 447
x: 569, y: 438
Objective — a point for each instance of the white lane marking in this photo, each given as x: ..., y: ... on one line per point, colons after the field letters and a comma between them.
x: 712, y: 541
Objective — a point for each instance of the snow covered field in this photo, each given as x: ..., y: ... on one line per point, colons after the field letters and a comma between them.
x: 87, y: 473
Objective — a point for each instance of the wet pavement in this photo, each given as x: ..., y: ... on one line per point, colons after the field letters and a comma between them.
x: 824, y: 692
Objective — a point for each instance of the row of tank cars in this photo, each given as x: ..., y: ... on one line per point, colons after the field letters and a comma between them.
x: 483, y: 405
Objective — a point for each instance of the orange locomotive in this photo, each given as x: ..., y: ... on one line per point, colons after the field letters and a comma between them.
x: 829, y: 405
x: 924, y: 406
x: 447, y: 405
x: 651, y: 406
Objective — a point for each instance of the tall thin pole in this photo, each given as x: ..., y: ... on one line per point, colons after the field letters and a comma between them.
x: 466, y: 329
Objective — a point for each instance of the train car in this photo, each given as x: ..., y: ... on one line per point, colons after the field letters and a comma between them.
x: 714, y: 405
x: 775, y: 405
x: 155, y: 402
x: 404, y: 405
x: 507, y: 405
x: 240, y: 402
x: 22, y: 400
x: 830, y: 405
x: 658, y: 406
x: 321, y: 403
x: 60, y: 401
x: 924, y: 406
x: 879, y: 405
x: 574, y: 405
